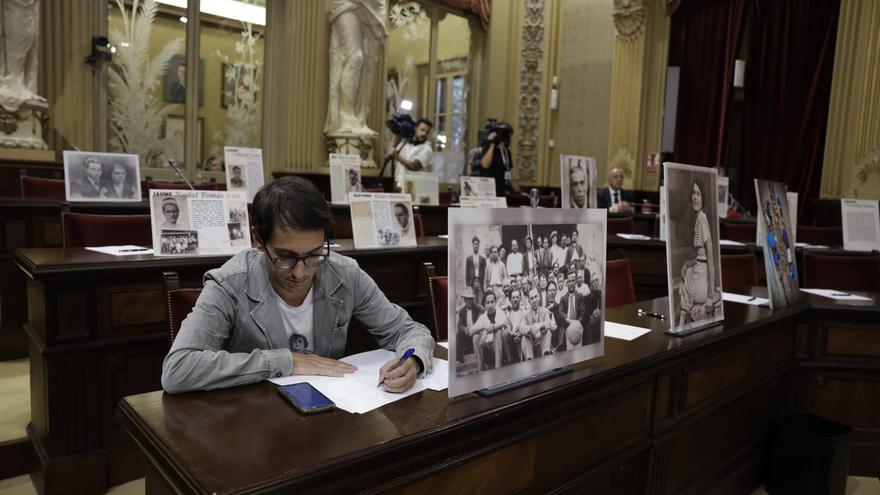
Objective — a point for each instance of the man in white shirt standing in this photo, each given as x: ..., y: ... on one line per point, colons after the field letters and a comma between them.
x: 556, y: 251
x: 614, y: 197
x: 496, y: 272
x: 415, y: 154
x: 514, y: 260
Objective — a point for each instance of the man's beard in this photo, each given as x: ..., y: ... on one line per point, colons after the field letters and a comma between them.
x: 417, y: 140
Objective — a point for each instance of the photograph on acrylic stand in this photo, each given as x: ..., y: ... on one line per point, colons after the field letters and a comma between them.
x: 345, y: 177
x: 693, y: 254
x: 515, y: 311
x: 477, y: 187
x: 578, y: 181
x: 777, y: 239
x: 111, y: 177
x: 380, y: 220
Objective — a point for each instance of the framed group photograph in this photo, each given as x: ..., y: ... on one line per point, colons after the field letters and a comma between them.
x: 693, y: 253
x: 526, y: 293
x: 578, y: 181
x: 777, y: 240
x: 111, y: 177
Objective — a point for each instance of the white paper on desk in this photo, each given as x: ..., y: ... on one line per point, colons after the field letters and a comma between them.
x: 739, y: 298
x: 635, y: 237
x: 358, y: 392
x: 443, y: 236
x: 726, y: 242
x: 624, y: 332
x: 836, y: 295
x: 810, y: 246
x: 127, y: 250
x: 439, y: 378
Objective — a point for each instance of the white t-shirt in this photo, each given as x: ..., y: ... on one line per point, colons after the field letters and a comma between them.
x: 298, y: 321
x: 421, y: 152
x: 514, y: 264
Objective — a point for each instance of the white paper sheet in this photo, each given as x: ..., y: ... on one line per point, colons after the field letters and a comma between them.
x: 127, y: 250
x: 838, y: 295
x: 726, y: 242
x: 443, y: 236
x: 739, y: 298
x: 358, y: 392
x: 810, y: 246
x: 635, y: 237
x: 624, y: 332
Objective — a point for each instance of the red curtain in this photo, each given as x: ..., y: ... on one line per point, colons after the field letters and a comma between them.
x: 704, y: 38
x: 788, y: 87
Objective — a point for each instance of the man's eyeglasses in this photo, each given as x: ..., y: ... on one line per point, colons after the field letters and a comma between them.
x: 313, y: 260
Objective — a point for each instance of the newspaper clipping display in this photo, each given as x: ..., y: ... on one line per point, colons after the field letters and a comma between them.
x: 526, y: 293
x: 345, y: 177
x: 199, y: 222
x: 382, y: 220
x: 861, y: 224
x: 113, y: 177
x: 474, y: 202
x: 578, y: 181
x: 478, y: 187
x: 423, y: 187
x: 774, y: 230
x: 693, y: 253
x: 244, y: 170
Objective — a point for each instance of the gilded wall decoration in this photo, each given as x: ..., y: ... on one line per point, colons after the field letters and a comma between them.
x: 530, y: 91
x: 629, y: 19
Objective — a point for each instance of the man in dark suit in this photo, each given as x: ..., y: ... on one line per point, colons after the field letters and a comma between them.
x: 575, y: 251
x: 89, y: 186
x: 475, y: 270
x: 593, y: 309
x: 467, y: 315
x: 614, y: 197
x: 571, y: 305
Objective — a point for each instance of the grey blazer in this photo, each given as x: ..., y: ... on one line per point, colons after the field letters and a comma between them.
x: 235, y: 334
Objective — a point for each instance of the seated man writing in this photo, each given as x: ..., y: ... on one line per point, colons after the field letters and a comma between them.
x: 284, y: 308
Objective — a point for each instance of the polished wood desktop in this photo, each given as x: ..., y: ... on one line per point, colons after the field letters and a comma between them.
x: 97, y: 332
x: 659, y: 414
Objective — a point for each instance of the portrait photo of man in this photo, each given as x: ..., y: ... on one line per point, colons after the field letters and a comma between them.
x: 236, y: 182
x: 401, y: 215
x: 89, y: 184
x: 171, y: 215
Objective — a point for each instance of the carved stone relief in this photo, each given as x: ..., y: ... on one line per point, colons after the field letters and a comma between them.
x: 629, y: 19
x: 530, y: 90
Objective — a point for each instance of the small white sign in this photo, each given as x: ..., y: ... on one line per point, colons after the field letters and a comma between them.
x: 861, y: 224
x: 199, y: 222
x: 244, y: 170
x: 345, y: 177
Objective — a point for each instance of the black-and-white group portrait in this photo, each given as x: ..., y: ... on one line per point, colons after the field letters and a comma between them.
x: 101, y: 176
x: 525, y: 292
x: 578, y: 181
x: 692, y: 248
x: 179, y: 242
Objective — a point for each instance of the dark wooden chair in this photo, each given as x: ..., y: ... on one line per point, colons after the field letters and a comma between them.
x: 81, y: 229
x: 739, y: 231
x: 439, y: 295
x: 822, y: 236
x: 419, y: 224
x: 179, y: 302
x: 38, y: 187
x: 618, y: 284
x: 739, y: 272
x: 860, y: 273
x: 622, y: 225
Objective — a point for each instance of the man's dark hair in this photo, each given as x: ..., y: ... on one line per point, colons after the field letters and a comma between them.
x: 425, y: 121
x: 293, y: 202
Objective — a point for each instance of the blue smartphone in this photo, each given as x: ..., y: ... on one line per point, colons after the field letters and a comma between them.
x: 306, y: 398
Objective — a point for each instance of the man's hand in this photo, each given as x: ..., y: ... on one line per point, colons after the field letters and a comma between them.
x: 624, y: 207
x: 312, y: 364
x: 491, y: 137
x: 401, y: 379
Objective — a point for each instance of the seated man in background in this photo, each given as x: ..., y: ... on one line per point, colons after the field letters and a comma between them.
x: 289, y: 290
x: 614, y: 197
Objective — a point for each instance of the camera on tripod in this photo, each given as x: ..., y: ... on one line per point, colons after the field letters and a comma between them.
x: 402, y: 124
x: 503, y: 132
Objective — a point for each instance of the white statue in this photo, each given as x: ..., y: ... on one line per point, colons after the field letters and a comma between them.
x: 357, y: 38
x: 19, y: 27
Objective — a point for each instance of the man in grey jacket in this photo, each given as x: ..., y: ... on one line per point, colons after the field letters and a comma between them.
x: 284, y: 308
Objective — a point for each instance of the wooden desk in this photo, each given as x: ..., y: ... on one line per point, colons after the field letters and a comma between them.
x: 659, y: 414
x: 97, y: 332
x: 34, y: 223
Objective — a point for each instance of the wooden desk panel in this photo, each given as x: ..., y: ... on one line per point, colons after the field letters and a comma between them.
x: 97, y: 332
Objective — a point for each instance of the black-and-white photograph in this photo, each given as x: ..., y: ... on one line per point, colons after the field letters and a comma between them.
x: 578, y: 181
x: 174, y: 80
x: 235, y: 232
x: 387, y: 237
x: 179, y: 242
x: 101, y: 177
x: 353, y: 180
x: 693, y: 253
x: 173, y: 213
x: 477, y: 187
x: 237, y: 178
x: 237, y: 214
x: 525, y: 289
x: 382, y: 220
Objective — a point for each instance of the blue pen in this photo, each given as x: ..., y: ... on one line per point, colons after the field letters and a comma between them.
x: 406, y: 355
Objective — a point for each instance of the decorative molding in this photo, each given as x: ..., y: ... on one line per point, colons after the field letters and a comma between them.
x: 629, y: 19
x: 623, y: 160
x: 866, y: 167
x: 530, y: 90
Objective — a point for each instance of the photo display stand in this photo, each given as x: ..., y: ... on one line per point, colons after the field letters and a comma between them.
x: 693, y: 253
x: 578, y: 180
x: 111, y: 177
x: 777, y: 241
x: 477, y: 187
x: 345, y: 177
x: 192, y: 223
x: 509, y: 326
x: 423, y: 187
x: 382, y: 220
x: 244, y: 170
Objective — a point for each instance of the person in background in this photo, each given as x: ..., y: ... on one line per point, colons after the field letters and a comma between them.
x: 614, y: 197
x: 414, y: 155
x: 514, y: 260
x: 496, y: 160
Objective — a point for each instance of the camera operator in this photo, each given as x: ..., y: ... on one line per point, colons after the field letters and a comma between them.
x: 495, y: 159
x: 410, y: 147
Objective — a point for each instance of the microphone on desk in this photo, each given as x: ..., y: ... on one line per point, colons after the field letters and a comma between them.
x: 533, y: 197
x: 177, y: 169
